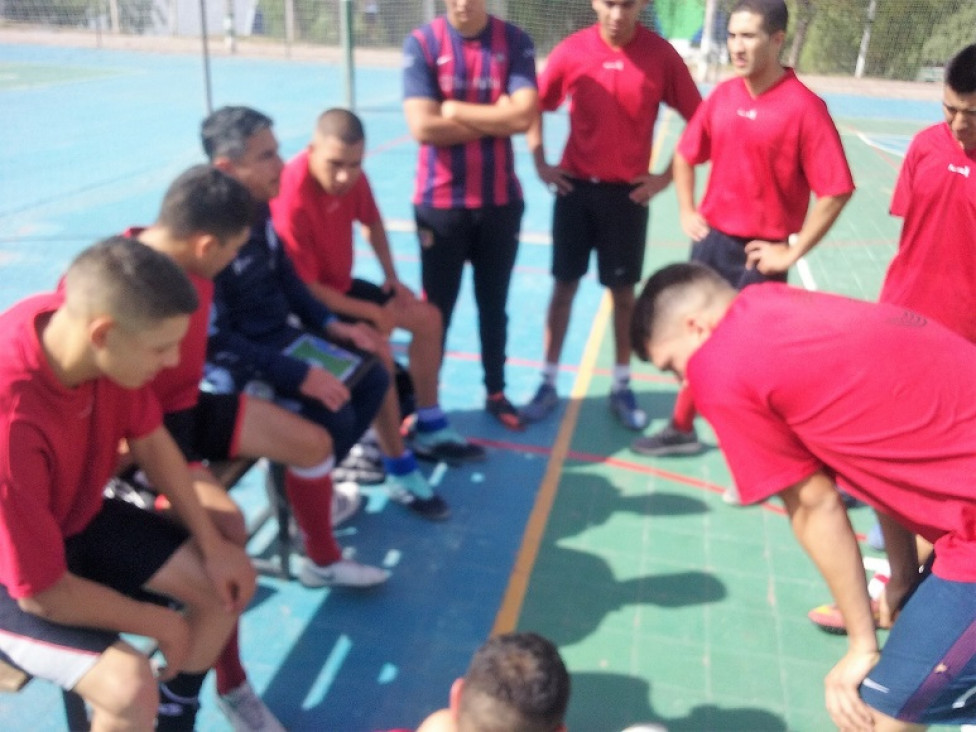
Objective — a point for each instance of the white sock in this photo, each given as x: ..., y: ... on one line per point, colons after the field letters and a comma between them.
x: 549, y: 373
x: 621, y: 376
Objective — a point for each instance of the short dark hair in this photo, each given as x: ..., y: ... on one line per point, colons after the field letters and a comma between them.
x: 960, y: 72
x: 515, y: 682
x: 653, y: 302
x: 205, y: 200
x: 225, y: 132
x: 775, y: 15
x: 129, y: 281
x: 341, y: 123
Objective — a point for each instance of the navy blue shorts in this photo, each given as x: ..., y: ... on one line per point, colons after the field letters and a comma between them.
x: 601, y: 217
x: 927, y: 671
x: 726, y: 254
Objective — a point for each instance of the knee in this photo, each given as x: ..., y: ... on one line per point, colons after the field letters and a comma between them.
x: 125, y: 693
x: 563, y: 294
x: 430, y: 324
x: 316, y: 446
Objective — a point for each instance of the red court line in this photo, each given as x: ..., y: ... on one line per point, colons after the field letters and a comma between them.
x: 571, y: 368
x: 628, y: 465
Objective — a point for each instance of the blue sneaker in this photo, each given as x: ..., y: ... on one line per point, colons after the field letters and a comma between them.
x: 623, y: 403
x: 542, y: 404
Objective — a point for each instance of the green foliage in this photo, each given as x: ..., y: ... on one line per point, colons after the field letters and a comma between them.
x: 905, y: 35
x: 950, y: 36
x: 549, y: 21
x: 52, y: 12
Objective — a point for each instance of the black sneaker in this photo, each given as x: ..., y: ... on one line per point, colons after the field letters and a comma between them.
x: 434, y: 508
x: 505, y: 412
x: 446, y: 446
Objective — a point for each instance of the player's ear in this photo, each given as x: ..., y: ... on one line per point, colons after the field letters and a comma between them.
x: 99, y: 329
x: 204, y: 245
x: 224, y: 165
x: 455, y: 699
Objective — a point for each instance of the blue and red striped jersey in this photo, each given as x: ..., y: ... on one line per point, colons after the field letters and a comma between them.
x: 441, y: 64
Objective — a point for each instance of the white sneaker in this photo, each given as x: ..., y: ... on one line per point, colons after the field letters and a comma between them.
x: 344, y: 573
x: 246, y: 712
x: 346, y: 500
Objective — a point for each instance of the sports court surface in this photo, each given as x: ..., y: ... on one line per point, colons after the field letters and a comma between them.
x: 668, y: 605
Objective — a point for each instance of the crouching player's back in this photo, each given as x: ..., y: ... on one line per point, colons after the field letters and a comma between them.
x: 74, y: 568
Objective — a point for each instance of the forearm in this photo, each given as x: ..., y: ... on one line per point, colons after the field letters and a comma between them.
x: 494, y: 120
x: 375, y: 234
x: 683, y: 175
x: 167, y: 471
x: 76, y: 601
x: 533, y: 137
x: 821, y: 217
x: 820, y: 522
x: 429, y: 127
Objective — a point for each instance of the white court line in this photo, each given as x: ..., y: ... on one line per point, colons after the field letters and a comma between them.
x: 806, y: 276
x: 866, y: 139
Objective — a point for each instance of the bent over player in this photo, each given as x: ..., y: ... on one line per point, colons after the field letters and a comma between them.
x: 894, y: 426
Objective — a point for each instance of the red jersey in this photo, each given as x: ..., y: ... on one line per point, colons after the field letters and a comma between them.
x: 879, y: 397
x: 316, y: 226
x: 614, y: 97
x: 767, y: 154
x: 934, y: 271
x: 440, y: 63
x: 58, y: 448
x: 178, y: 388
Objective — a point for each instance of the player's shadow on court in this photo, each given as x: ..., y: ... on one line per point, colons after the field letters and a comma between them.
x: 606, y: 702
x: 574, y: 584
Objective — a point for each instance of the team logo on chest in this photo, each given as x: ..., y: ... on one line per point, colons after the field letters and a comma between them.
x: 962, y: 170
x: 749, y: 114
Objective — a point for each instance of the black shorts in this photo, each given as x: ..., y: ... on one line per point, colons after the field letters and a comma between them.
x: 726, y: 254
x: 122, y: 548
x: 363, y: 290
x: 209, y: 430
x: 599, y: 216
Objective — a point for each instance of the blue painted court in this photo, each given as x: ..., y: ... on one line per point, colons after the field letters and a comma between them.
x: 668, y: 605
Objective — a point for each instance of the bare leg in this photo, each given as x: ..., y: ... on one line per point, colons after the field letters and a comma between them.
x: 270, y: 431
x: 121, y: 689
x: 884, y: 723
x: 557, y: 318
x: 623, y: 311
x: 183, y: 577
x: 423, y: 321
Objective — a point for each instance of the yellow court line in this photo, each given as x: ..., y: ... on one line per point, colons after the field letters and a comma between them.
x: 518, y: 582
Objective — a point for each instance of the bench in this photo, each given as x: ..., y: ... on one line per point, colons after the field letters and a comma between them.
x: 228, y: 472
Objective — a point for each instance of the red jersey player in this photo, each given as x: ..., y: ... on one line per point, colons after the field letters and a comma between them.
x: 771, y: 142
x: 616, y: 74
x: 894, y: 426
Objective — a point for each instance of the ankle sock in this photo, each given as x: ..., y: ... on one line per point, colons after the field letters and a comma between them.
x: 549, y: 373
x: 621, y: 377
x: 431, y: 419
x: 403, y: 465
